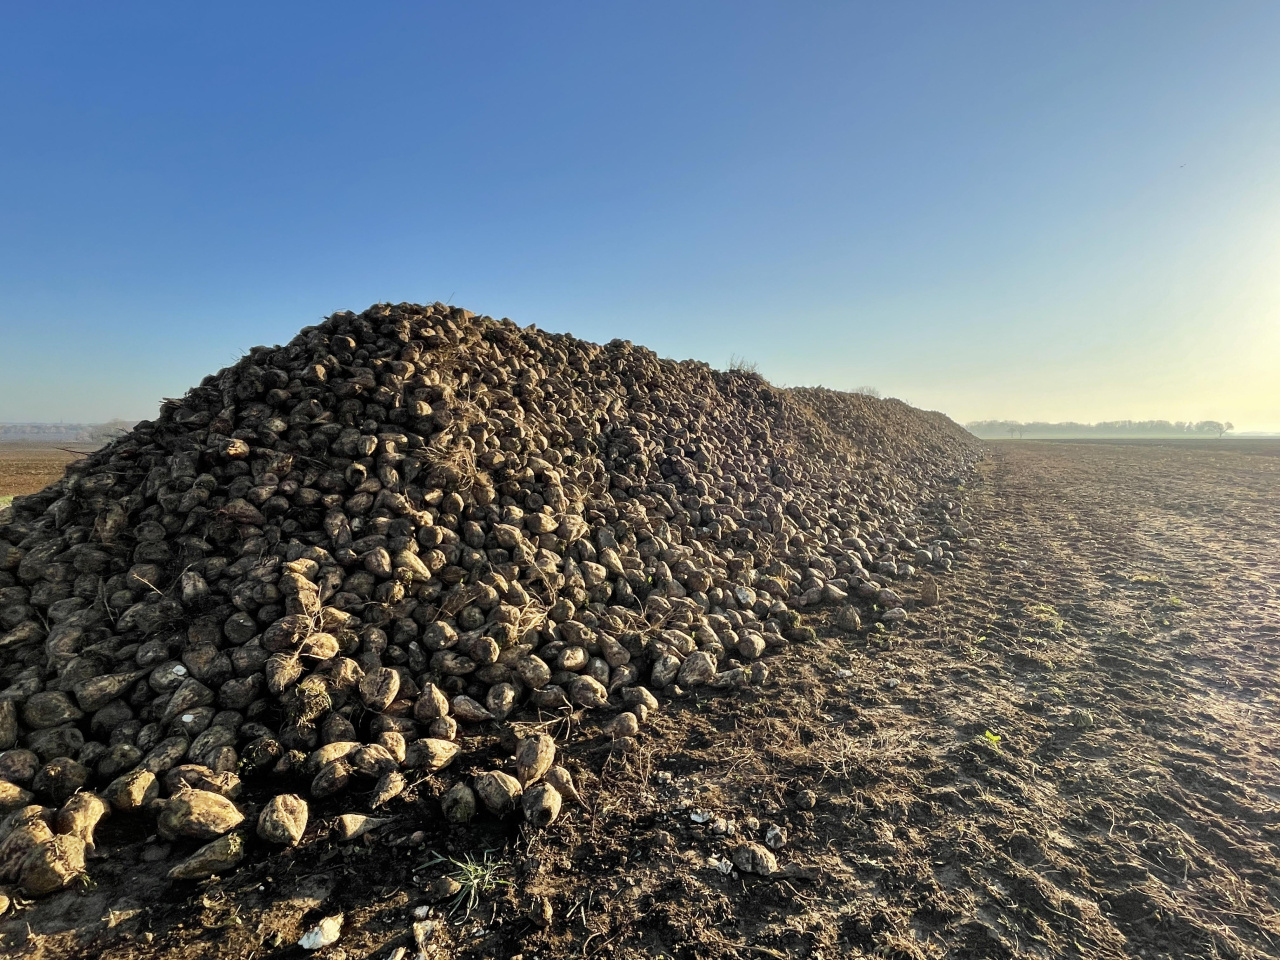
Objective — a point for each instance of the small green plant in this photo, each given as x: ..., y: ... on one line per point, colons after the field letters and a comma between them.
x: 969, y: 646
x: 1046, y: 613
x: 740, y: 364
x: 992, y: 738
x: 475, y: 878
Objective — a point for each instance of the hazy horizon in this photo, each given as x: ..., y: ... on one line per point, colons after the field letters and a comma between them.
x: 1050, y: 213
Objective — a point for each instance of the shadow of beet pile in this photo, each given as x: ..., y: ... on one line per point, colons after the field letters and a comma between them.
x: 370, y: 634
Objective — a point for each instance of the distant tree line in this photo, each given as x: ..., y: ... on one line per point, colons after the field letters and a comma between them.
x: 65, y: 432
x: 1002, y: 429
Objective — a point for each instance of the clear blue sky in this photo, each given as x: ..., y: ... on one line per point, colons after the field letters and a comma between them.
x: 1025, y: 210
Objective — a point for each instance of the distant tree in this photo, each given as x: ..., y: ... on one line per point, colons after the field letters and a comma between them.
x: 102, y: 432
x: 1213, y: 427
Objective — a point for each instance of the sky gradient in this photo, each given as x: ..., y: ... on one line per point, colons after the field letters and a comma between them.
x: 1049, y: 211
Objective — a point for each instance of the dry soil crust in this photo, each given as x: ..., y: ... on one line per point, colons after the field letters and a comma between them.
x: 1073, y: 755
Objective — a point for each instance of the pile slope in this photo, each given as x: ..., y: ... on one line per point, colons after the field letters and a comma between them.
x: 362, y: 556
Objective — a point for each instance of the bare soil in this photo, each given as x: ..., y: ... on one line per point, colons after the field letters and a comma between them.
x: 1073, y: 755
x: 28, y: 467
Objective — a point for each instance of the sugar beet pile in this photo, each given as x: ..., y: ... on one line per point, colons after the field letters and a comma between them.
x: 338, y: 563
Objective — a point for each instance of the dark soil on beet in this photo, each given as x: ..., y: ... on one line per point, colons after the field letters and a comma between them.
x: 1073, y: 755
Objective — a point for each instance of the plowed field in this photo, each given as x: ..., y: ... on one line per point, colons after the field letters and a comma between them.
x: 1075, y: 754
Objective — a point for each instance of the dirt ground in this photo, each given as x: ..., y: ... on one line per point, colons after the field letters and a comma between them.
x: 28, y: 467
x: 1073, y: 755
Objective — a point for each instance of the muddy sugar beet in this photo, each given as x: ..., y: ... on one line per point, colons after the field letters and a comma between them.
x: 325, y: 562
